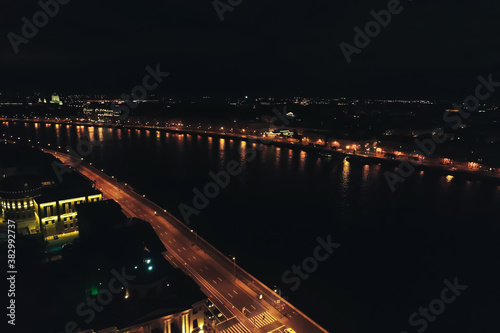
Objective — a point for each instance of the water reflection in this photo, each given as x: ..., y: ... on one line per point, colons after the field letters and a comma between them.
x: 346, y: 169
x: 91, y: 132
x: 366, y: 171
x: 58, y: 134
x: 79, y: 132
x: 101, y: 135
x: 303, y: 155
x: 243, y: 147
x: 222, y: 152
x: 344, y: 188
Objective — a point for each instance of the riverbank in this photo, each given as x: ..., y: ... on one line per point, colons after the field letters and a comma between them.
x: 354, y: 158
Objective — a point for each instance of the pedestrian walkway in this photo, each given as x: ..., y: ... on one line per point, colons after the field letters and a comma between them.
x: 236, y: 328
x: 262, y: 319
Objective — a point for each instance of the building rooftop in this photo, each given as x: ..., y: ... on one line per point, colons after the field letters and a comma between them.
x: 73, y: 185
x: 20, y: 186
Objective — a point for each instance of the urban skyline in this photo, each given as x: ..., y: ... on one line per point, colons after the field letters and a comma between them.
x: 226, y: 166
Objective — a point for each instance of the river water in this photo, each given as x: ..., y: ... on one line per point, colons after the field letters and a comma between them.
x: 396, y: 249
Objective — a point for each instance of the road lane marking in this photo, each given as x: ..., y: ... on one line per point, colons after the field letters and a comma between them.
x: 236, y: 328
x: 219, y: 279
x: 230, y: 295
x: 253, y: 307
x: 262, y: 319
x: 235, y: 292
x: 215, y: 281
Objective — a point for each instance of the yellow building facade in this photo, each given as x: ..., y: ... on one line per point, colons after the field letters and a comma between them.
x: 60, y: 216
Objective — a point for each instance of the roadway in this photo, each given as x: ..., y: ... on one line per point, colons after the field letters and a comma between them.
x: 234, y: 291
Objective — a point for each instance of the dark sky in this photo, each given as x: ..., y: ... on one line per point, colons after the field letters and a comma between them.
x: 432, y: 49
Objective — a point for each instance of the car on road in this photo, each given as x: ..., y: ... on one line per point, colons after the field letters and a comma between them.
x: 209, y: 304
x: 156, y: 213
x: 56, y: 237
x: 217, y: 313
x: 290, y: 330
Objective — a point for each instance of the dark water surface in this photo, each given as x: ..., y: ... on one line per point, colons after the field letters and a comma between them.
x: 396, y: 248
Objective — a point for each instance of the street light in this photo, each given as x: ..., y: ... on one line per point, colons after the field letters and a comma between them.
x: 196, y: 236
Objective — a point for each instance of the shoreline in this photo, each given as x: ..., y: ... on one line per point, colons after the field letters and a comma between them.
x: 352, y: 158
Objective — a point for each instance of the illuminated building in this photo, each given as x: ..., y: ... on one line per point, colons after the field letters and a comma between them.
x: 16, y: 198
x: 281, y: 132
x: 32, y: 195
x: 100, y: 111
x: 191, y: 320
x: 56, y: 213
x: 55, y: 100
x: 44, y: 206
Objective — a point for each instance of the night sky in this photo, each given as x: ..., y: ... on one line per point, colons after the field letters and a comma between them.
x: 432, y: 49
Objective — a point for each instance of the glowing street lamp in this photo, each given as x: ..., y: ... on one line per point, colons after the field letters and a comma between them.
x: 234, y: 266
x: 196, y: 236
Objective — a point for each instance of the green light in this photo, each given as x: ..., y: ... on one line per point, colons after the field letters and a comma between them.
x: 150, y: 268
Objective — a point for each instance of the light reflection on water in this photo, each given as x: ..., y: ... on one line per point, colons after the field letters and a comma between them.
x: 311, y: 197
